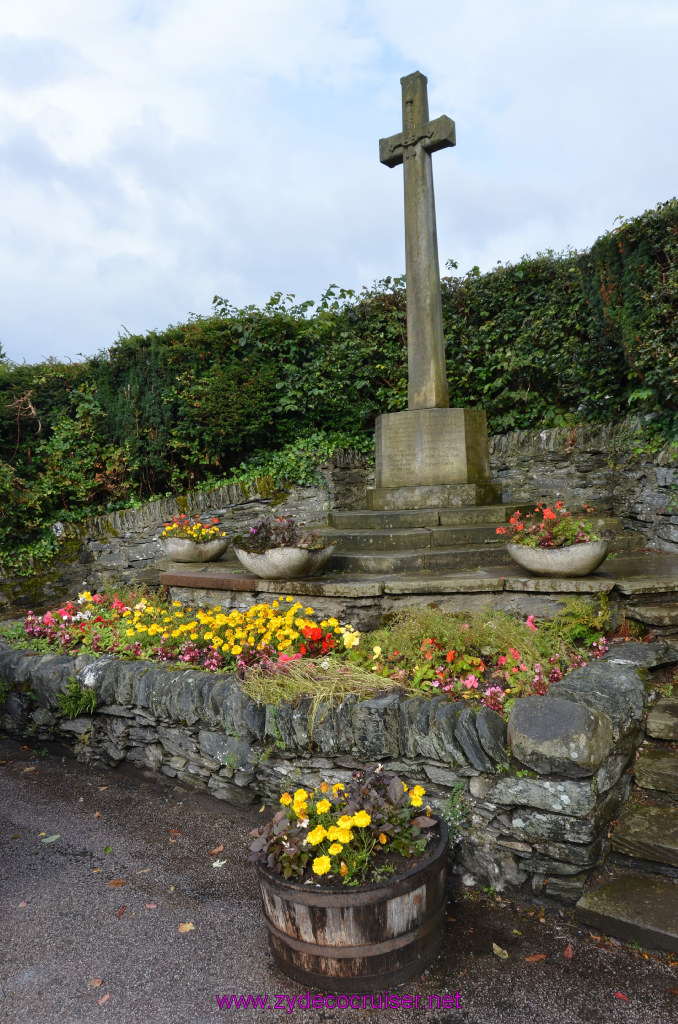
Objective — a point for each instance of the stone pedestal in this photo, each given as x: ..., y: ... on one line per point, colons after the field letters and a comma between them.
x: 428, y: 458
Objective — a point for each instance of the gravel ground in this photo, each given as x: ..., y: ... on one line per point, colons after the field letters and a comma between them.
x: 75, y: 949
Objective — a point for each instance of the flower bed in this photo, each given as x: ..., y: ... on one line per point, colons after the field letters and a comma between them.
x: 484, y: 660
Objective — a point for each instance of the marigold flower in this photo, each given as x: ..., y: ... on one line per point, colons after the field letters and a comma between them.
x: 362, y: 819
x: 323, y: 806
x: 300, y: 795
x: 345, y: 821
x: 382, y: 838
x: 286, y: 799
x: 324, y: 787
x: 418, y: 791
x: 344, y: 835
x: 321, y: 865
x: 335, y: 848
x: 317, y: 835
x: 416, y: 801
x: 343, y: 870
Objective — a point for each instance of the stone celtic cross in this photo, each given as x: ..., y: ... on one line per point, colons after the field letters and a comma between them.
x: 427, y: 377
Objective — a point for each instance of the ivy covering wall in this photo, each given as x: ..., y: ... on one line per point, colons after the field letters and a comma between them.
x: 548, y: 341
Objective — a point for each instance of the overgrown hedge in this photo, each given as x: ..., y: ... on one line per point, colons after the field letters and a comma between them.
x: 544, y: 342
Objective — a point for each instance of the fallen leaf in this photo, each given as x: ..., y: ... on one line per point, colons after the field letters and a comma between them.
x: 23, y: 903
x: 41, y: 834
x: 115, y: 883
x: 172, y: 888
x: 673, y: 991
x: 52, y: 839
x: 95, y: 982
x: 97, y: 871
x: 620, y: 995
x: 535, y: 958
x: 103, y: 787
x: 122, y: 911
x: 498, y: 951
x: 16, y: 836
x: 172, y: 840
x: 151, y: 906
x: 175, y: 832
x: 108, y: 849
x: 262, y: 808
x: 516, y: 932
x: 568, y: 952
x: 218, y: 863
x: 187, y: 927
x: 97, y: 814
x: 103, y: 999
x: 31, y: 769
x: 216, y: 850
x: 143, y: 871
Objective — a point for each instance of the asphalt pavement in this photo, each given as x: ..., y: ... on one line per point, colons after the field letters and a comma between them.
x: 122, y: 918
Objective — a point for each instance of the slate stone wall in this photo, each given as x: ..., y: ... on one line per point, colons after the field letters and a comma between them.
x: 537, y: 798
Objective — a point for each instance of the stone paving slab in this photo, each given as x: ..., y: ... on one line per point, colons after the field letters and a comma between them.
x: 657, y: 769
x: 634, y: 909
x: 662, y: 721
x: 648, y: 833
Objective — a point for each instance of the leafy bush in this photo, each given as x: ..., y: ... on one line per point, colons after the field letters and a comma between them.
x: 76, y: 701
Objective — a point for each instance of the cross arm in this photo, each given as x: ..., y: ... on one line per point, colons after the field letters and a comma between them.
x: 434, y: 135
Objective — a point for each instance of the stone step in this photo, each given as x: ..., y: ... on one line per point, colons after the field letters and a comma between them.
x: 662, y: 721
x: 469, y: 515
x: 657, y: 769
x: 634, y: 909
x: 649, y: 833
x: 353, y: 541
x: 383, y: 562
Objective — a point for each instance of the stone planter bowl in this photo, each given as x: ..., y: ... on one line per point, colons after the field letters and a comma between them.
x: 574, y: 560
x: 180, y: 549
x: 284, y: 563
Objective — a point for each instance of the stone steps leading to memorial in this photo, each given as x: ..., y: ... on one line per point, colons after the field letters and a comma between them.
x: 640, y: 906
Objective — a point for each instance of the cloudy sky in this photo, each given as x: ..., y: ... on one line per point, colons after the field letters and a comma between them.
x: 154, y: 153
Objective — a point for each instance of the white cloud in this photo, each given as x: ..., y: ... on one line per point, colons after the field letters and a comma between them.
x: 155, y: 153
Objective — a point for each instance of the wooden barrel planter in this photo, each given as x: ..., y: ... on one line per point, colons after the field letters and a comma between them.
x: 362, y: 938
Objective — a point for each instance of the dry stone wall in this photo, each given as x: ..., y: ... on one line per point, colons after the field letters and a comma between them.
x: 537, y: 798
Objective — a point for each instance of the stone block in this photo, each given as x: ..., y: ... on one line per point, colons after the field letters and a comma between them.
x: 639, y: 655
x: 431, y: 447
x: 222, y: 789
x: 376, y: 725
x: 466, y: 736
x: 177, y: 741
x: 491, y: 729
x: 443, y: 728
x: 551, y: 735
x: 421, y: 496
x: 566, y: 796
x: 614, y: 690
x: 416, y: 734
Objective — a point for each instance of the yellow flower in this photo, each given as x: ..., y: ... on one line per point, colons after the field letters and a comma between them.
x: 300, y: 795
x: 417, y: 791
x: 323, y: 806
x: 382, y: 838
x: 343, y: 870
x: 286, y: 799
x: 236, y: 649
x: 416, y: 801
x: 361, y: 819
x: 344, y: 835
x: 333, y: 832
x: 324, y: 787
x: 316, y: 836
x: 321, y: 865
x: 335, y: 848
x: 337, y: 787
x: 300, y: 809
x: 345, y: 821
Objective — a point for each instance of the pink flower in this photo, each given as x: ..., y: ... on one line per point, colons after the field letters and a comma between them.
x: 501, y: 660
x: 530, y: 623
x: 282, y: 658
x: 118, y: 605
x: 97, y: 599
x: 514, y: 652
x: 471, y: 683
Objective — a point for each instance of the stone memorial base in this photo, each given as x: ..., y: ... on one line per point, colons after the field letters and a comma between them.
x: 432, y: 458
x: 421, y: 496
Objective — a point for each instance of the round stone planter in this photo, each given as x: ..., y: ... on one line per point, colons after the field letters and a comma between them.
x: 180, y: 549
x: 284, y: 563
x: 575, y: 560
x: 361, y: 939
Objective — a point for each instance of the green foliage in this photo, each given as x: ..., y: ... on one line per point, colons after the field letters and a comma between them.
x: 579, y: 621
x: 76, y: 701
x: 248, y: 393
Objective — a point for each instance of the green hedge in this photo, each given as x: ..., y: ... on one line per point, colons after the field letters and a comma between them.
x: 551, y: 340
